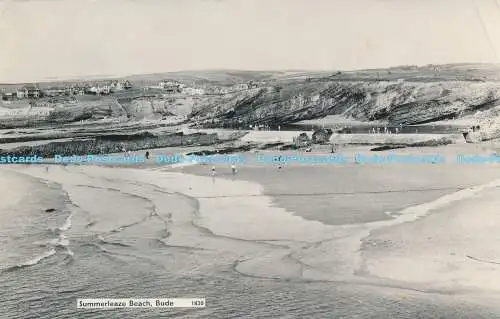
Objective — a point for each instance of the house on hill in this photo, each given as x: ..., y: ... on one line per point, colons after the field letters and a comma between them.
x: 193, y: 91
x: 54, y: 91
x: 28, y: 92
x: 171, y: 86
x: 9, y: 96
x: 126, y: 84
x: 33, y: 92
x: 21, y: 93
x: 117, y: 86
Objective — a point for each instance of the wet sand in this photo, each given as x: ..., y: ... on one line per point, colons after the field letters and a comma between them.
x: 338, y: 194
x: 429, y: 225
x: 325, y: 224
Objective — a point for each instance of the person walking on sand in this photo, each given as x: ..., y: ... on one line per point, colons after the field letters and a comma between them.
x: 233, y: 169
x: 213, y: 171
x: 147, y: 154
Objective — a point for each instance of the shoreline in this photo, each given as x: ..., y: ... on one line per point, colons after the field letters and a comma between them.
x: 220, y: 198
x: 483, y: 153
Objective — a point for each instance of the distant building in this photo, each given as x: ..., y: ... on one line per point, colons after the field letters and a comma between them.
x: 69, y: 90
x: 74, y: 90
x: 117, y: 86
x: 170, y: 86
x: 217, y: 90
x: 99, y: 88
x: 29, y: 91
x: 239, y: 87
x: 87, y: 88
x: 93, y: 90
x: 33, y: 92
x: 193, y: 91
x: 9, y: 96
x: 105, y: 89
x: 79, y: 91
x: 21, y: 93
x: 127, y: 84
x: 53, y: 92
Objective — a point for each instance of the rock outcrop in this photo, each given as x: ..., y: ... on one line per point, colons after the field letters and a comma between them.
x: 321, y: 136
x: 113, y: 144
x: 398, y: 102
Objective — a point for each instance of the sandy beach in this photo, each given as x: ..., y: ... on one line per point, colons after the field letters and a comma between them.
x: 234, y: 160
x: 423, y: 231
x: 383, y: 217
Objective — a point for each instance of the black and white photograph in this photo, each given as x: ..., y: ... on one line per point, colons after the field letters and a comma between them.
x: 247, y: 159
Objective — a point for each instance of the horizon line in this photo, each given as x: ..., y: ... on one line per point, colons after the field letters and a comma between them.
x: 95, y: 77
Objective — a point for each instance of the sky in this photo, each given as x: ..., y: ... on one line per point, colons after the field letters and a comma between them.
x: 47, y: 39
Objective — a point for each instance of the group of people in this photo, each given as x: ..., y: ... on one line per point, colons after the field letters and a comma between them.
x: 474, y: 128
x: 233, y: 170
x: 129, y: 153
x: 385, y: 131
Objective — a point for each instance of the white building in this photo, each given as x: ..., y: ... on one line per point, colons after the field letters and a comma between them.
x: 240, y: 87
x: 54, y: 92
x: 193, y: 91
x: 21, y: 93
x: 105, y: 89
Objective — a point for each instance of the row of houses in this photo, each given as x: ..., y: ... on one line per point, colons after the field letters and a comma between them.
x: 172, y: 86
x: 108, y: 87
x: 29, y: 91
x: 34, y: 92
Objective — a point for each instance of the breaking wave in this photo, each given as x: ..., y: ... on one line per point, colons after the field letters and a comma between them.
x: 32, y: 262
x: 66, y: 225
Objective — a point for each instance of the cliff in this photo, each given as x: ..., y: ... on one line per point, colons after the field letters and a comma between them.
x: 397, y: 102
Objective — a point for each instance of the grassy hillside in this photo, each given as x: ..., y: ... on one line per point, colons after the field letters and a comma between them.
x: 400, y: 95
